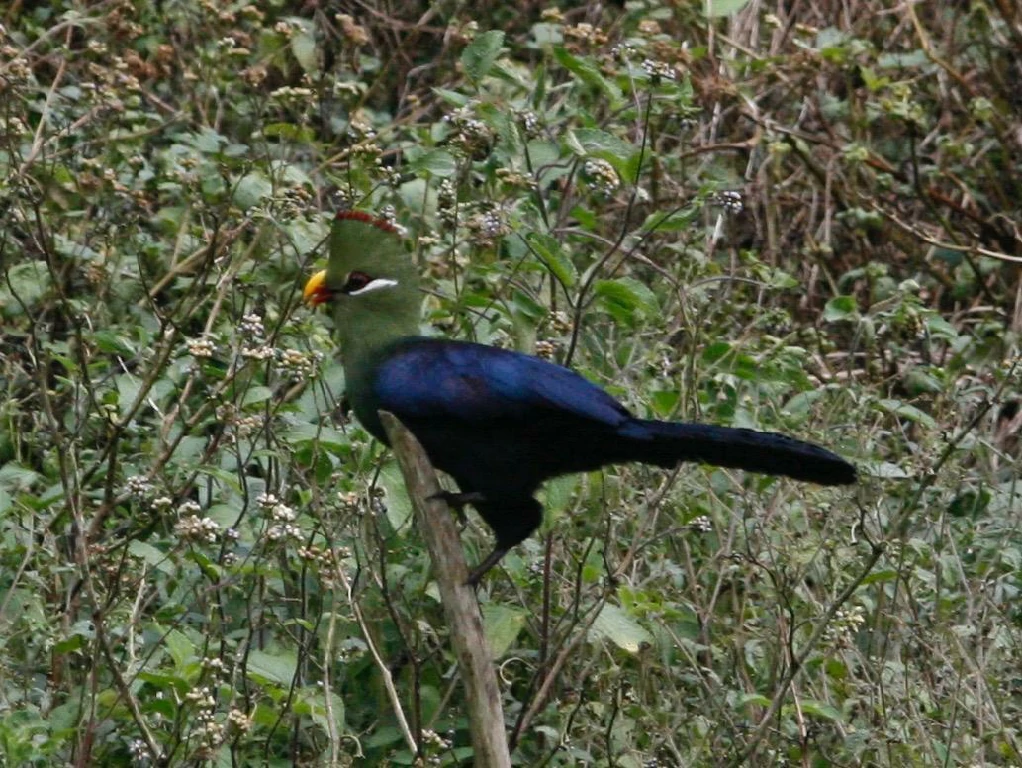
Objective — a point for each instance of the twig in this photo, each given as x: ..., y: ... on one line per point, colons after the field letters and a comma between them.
x: 486, y: 715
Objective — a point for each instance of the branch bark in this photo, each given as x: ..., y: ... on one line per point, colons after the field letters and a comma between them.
x: 486, y: 715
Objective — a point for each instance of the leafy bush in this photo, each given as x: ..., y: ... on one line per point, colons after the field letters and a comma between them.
x: 726, y: 215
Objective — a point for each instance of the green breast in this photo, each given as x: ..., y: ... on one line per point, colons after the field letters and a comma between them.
x: 360, y: 371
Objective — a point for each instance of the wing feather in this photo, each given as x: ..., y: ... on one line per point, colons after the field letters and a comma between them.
x: 435, y: 378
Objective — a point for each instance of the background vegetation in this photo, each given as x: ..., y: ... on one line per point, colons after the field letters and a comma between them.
x: 799, y: 216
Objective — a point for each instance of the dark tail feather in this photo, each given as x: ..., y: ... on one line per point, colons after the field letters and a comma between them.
x: 667, y: 443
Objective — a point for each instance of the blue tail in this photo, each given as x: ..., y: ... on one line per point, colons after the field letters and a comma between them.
x: 667, y: 443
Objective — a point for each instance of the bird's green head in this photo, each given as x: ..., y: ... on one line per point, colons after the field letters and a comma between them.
x: 370, y: 282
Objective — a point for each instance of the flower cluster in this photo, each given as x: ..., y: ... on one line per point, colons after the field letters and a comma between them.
x: 351, y: 502
x: 729, y: 200
x: 240, y: 426
x: 846, y: 622
x: 586, y: 33
x: 257, y: 352
x: 658, y: 71
x: 253, y: 332
x: 193, y: 528
x: 701, y: 524
x: 299, y: 365
x: 469, y: 135
x: 546, y: 349
x: 560, y: 322
x: 282, y: 517
x: 487, y: 227
x: 138, y: 487
x: 139, y: 752
x: 293, y: 202
x: 433, y: 740
x: 624, y: 52
x: 447, y: 203
x: 315, y: 554
x: 515, y: 179
x: 201, y: 348
x: 601, y: 175
x: 209, y: 732
x: 293, y: 96
x: 529, y: 122
x: 354, y: 33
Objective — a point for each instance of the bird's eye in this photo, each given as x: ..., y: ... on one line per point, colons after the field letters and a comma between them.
x: 356, y: 282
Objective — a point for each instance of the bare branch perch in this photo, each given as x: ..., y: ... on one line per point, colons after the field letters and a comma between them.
x: 486, y: 715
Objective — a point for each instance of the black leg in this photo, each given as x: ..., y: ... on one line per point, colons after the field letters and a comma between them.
x: 488, y: 562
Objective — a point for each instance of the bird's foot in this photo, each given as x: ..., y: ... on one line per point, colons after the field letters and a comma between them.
x: 458, y: 500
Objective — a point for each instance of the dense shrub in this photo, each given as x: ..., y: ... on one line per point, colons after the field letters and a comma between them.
x: 737, y: 214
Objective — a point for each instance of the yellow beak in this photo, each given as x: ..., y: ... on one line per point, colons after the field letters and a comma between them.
x: 316, y: 292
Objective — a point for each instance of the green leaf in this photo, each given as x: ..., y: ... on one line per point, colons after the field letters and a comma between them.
x: 313, y: 702
x: 303, y: 46
x: 820, y: 709
x: 552, y: 254
x: 670, y: 221
x: 941, y: 328
x: 717, y: 8
x: 918, y: 381
x: 884, y: 469
x: 399, y: 504
x: 258, y: 394
x: 18, y: 478
x: 437, y: 162
x: 592, y: 142
x: 289, y: 132
x: 910, y: 412
x: 545, y: 33
x: 305, y: 236
x: 903, y: 60
x: 252, y: 189
x: 618, y: 627
x: 716, y: 351
x: 502, y: 624
x: 558, y: 492
x: 751, y: 699
x: 164, y: 682
x: 665, y: 401
x: 28, y: 282
x: 479, y: 55
x: 180, y: 648
x: 625, y: 296
x: 328, y: 437
x: 68, y: 644
x: 128, y: 388
x: 841, y: 308
x: 151, y: 556
x: 206, y: 140
x: 527, y: 308
x: 970, y: 503
x: 272, y: 667
x: 452, y: 97
x: 113, y: 343
x: 888, y: 574
x: 587, y: 71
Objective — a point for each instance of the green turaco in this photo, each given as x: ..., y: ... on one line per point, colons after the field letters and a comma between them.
x: 500, y: 422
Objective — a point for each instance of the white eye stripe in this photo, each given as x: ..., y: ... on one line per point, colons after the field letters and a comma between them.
x: 374, y: 285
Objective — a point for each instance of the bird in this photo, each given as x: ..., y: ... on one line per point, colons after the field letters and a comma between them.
x: 497, y: 421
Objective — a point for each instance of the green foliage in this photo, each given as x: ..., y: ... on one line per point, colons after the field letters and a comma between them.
x: 716, y: 212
